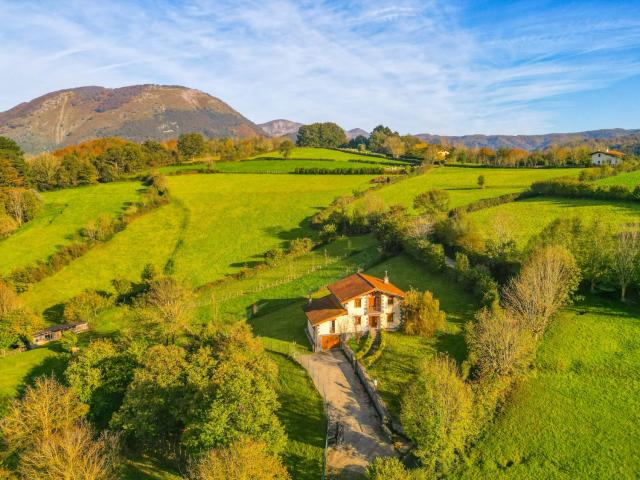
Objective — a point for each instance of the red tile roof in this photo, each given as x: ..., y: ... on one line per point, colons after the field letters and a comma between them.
x: 360, y: 284
x: 323, y: 309
x: 613, y: 153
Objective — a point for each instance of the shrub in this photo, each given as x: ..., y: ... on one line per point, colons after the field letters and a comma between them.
x: 300, y: 246
x: 368, y: 343
x: 421, y: 314
x: 373, y: 358
x: 387, y: 468
x: 274, y: 256
x: 436, y: 413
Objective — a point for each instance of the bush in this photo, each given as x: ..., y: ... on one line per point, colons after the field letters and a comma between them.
x: 421, y: 314
x: 387, y: 468
x: 274, y: 256
x: 368, y: 343
x: 340, y: 171
x: 300, y: 246
x: 437, y: 413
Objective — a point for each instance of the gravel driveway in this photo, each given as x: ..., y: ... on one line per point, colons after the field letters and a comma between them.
x: 349, y: 404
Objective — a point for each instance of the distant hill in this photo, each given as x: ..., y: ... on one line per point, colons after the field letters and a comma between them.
x: 355, y: 132
x: 138, y: 113
x: 280, y: 128
x: 527, y: 142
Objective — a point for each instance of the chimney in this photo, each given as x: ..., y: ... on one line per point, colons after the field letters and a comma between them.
x: 386, y: 277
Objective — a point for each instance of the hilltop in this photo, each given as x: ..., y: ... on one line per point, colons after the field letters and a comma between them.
x: 137, y: 113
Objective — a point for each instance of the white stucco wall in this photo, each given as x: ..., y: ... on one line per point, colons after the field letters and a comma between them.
x: 604, y: 159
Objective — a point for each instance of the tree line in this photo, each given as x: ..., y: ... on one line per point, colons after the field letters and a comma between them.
x: 199, y: 399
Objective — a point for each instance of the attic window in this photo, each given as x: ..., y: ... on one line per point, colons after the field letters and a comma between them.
x: 358, y: 302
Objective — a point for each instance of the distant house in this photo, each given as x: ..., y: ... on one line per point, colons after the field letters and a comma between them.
x: 55, y: 333
x: 356, y: 304
x: 606, y: 157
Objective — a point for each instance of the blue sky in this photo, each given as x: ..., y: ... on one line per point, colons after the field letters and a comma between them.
x: 419, y: 66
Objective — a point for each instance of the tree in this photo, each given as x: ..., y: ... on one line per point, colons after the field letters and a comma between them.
x: 242, y: 460
x: 17, y: 323
x: 191, y: 145
x: 436, y: 413
x: 72, y: 453
x: 421, y: 314
x: 378, y: 136
x: 85, y: 307
x: 9, y: 175
x: 286, y: 148
x: 432, y: 201
x: 45, y: 409
x: 626, y: 255
x: 22, y: 205
x: 11, y: 151
x: 165, y: 308
x: 481, y: 181
x: 498, y: 343
x: 100, y: 374
x: 594, y: 252
x: 394, y: 146
x: 214, y: 391
x: 321, y: 135
x: 546, y: 282
x: 43, y: 170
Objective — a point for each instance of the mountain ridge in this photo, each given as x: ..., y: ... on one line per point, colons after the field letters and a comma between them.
x: 136, y: 112
x: 527, y: 142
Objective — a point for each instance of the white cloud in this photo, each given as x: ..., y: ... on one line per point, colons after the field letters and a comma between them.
x: 416, y: 66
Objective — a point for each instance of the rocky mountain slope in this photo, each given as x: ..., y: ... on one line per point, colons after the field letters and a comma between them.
x: 138, y: 113
x: 528, y: 142
x: 280, y: 127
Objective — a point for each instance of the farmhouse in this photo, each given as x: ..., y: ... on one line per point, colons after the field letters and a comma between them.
x: 606, y: 157
x: 356, y: 304
x: 55, y: 333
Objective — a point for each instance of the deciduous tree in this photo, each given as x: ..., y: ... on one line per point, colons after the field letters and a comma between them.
x: 421, y: 314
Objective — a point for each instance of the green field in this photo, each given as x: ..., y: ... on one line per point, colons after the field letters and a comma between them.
x: 231, y: 220
x: 149, y: 239
x: 288, y: 166
x: 312, y: 153
x: 631, y: 180
x: 576, y: 415
x: 528, y: 217
x: 461, y: 183
x: 64, y: 213
x: 216, y: 225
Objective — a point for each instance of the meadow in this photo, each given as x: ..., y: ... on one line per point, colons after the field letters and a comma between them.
x: 575, y: 415
x: 526, y: 218
x: 313, y: 153
x: 231, y: 220
x: 630, y: 179
x: 462, y: 183
x: 64, y: 213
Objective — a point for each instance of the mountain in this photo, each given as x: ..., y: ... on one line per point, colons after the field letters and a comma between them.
x: 527, y: 142
x: 280, y: 128
x: 355, y: 132
x: 138, y: 113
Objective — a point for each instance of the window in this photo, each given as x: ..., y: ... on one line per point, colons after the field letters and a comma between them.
x: 358, y: 302
x: 390, y: 300
x: 358, y: 320
x: 333, y: 326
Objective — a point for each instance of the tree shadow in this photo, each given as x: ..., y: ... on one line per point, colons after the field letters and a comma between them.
x: 54, y: 313
x: 452, y: 344
x: 53, y: 365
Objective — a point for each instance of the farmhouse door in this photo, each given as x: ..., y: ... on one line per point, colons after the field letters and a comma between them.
x: 374, y: 321
x: 330, y: 341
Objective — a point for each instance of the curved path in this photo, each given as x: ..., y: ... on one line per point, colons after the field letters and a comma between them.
x: 349, y: 404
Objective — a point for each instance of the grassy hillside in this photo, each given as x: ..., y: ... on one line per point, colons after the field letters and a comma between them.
x: 230, y: 220
x: 312, y: 153
x: 630, y: 179
x: 462, y: 183
x: 289, y: 165
x: 64, y: 213
x: 576, y: 415
x: 149, y: 239
x: 528, y: 217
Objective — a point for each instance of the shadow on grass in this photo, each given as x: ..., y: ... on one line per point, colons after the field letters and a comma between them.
x: 452, y: 344
x: 50, y: 366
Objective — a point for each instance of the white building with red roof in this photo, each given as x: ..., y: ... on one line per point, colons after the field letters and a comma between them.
x: 356, y: 304
x: 606, y: 157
